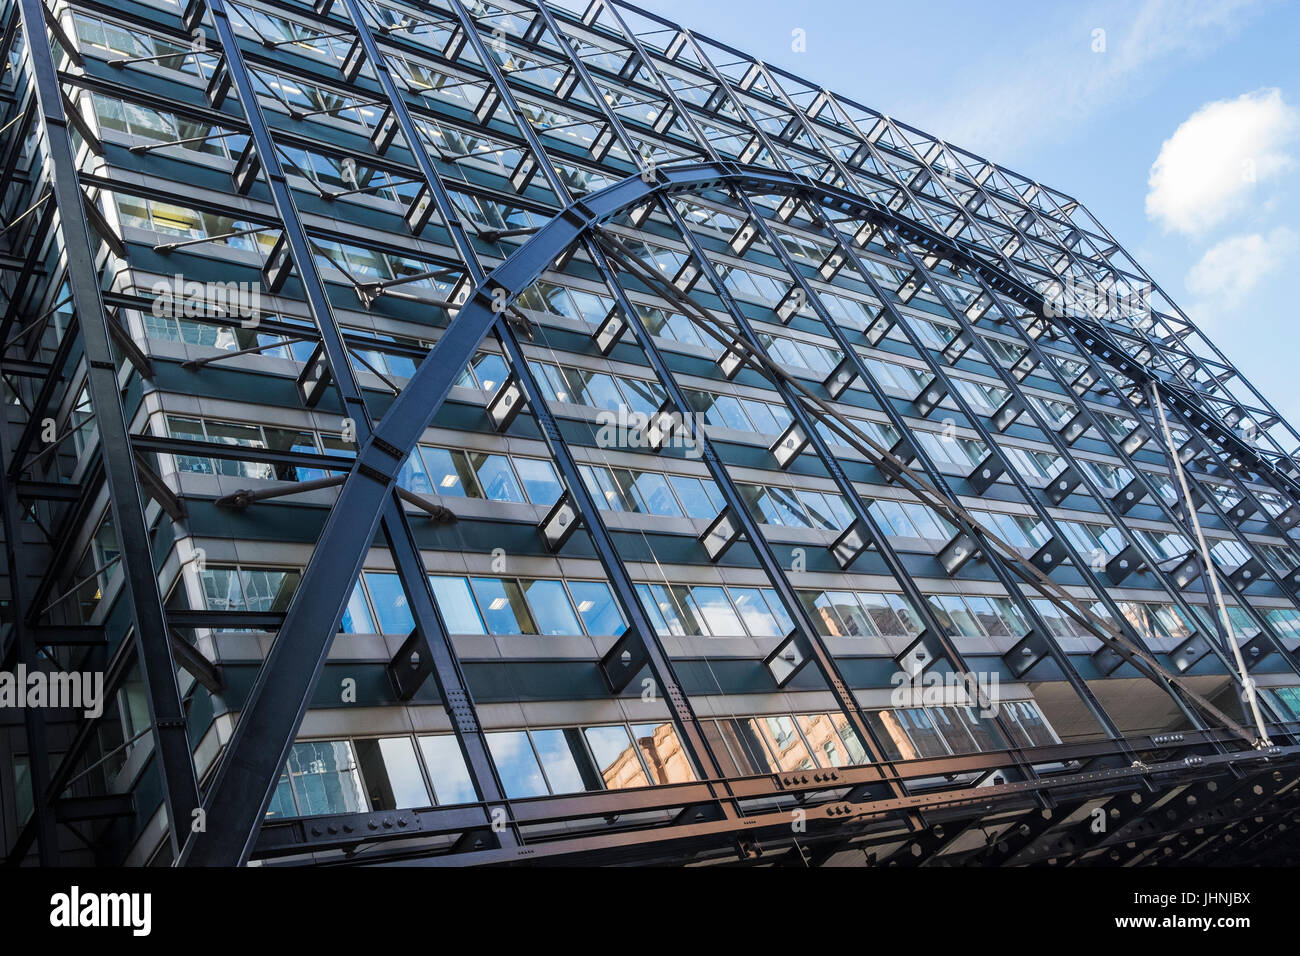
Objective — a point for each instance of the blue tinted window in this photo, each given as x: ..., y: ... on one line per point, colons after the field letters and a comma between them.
x: 390, y: 603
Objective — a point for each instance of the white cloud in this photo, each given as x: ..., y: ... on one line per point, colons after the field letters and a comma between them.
x: 1214, y: 164
x: 1231, y: 269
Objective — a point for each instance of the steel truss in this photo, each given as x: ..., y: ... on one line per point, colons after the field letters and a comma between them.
x: 836, y: 165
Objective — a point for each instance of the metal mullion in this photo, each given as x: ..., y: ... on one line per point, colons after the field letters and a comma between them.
x: 825, y: 661
x: 166, y: 711
x: 1155, y: 346
x: 18, y: 561
x: 997, y: 562
x: 22, y: 281
x: 881, y: 541
x: 1211, y: 574
x: 1014, y: 590
x: 1082, y: 567
x: 661, y: 666
x: 845, y: 698
x: 776, y: 573
x: 41, y: 403
x: 277, y: 696
x: 1158, y: 348
x: 1118, y: 451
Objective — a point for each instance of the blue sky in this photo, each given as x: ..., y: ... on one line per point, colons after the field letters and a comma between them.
x: 1210, y: 88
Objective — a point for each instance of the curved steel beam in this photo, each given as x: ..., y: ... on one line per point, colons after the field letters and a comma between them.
x: 244, y: 783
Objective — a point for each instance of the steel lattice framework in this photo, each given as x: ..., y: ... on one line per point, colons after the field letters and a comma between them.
x: 413, y: 186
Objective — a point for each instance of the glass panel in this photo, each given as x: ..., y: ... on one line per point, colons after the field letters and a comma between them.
x: 745, y: 738
x: 539, y: 480
x: 713, y: 606
x: 503, y: 606
x: 496, y: 477
x: 924, y: 734
x: 356, y: 616
x: 699, y: 499
x: 222, y: 590
x: 616, y: 758
x: 783, y: 621
x: 785, y: 743
x: 325, y: 778
x: 597, y: 608
x: 1030, y: 723
x: 823, y: 613
x: 281, y: 805
x: 490, y: 370
x: 267, y: 589
x: 881, y: 614
x: 951, y: 729
x: 565, y: 761
x: 450, y: 473
x: 857, y: 753
x: 889, y: 731
x: 754, y: 612
x: 662, y: 609
x: 391, y: 773
x: 662, y: 753
x: 982, y: 729
x: 516, y: 764
x: 390, y: 603
x: 446, y: 764
x: 456, y: 605
x: 823, y: 740
x: 600, y: 482
x: 551, y: 608
x: 857, y: 623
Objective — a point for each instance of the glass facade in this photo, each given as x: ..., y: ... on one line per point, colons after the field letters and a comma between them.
x: 875, y: 450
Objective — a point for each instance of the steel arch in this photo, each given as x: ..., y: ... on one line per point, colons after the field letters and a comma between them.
x: 248, y: 769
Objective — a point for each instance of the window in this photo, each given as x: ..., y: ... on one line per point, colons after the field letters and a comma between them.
x: 456, y: 605
x: 229, y: 588
x: 502, y: 604
x: 596, y: 606
x: 516, y: 763
x: 713, y: 611
x: 551, y: 607
x: 777, y: 743
x: 576, y: 759
x: 1028, y: 725
x: 447, y: 771
x: 617, y: 761
x: 392, y: 773
x: 390, y: 603
x: 662, y: 754
x: 564, y: 760
x: 539, y: 479
x: 495, y: 476
x: 321, y: 777
x: 646, y: 492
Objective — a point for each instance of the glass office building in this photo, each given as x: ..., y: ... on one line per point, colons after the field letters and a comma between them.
x: 496, y: 433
